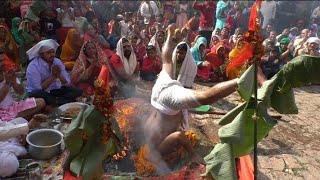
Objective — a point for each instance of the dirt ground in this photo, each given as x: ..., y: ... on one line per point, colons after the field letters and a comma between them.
x: 291, y: 151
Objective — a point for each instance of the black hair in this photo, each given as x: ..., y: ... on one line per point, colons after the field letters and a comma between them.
x: 124, y: 40
x: 151, y: 47
x: 2, y: 51
x: 85, y: 47
x: 133, y: 36
x: 183, y: 47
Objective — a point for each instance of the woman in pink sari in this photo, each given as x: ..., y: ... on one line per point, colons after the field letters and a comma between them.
x: 92, y: 35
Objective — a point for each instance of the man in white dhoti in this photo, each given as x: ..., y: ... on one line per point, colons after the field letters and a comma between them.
x: 172, y: 101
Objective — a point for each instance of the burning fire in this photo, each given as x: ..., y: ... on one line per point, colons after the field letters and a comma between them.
x: 141, y: 162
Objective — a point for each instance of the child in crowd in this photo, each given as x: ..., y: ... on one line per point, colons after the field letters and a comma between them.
x: 271, y: 64
x: 151, y: 65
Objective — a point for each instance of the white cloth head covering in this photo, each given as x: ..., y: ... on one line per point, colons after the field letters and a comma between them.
x: 169, y: 96
x: 129, y: 65
x: 314, y: 40
x: 188, y: 70
x: 42, y: 46
x: 153, y: 41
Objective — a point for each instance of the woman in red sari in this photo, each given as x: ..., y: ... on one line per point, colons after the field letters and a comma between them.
x: 87, y: 68
x: 92, y: 35
x: 217, y: 60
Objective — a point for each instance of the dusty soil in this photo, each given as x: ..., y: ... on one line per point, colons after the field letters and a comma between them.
x: 291, y: 151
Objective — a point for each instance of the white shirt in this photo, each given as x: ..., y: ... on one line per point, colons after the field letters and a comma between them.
x: 146, y: 12
x: 124, y: 28
x: 66, y: 19
x: 8, y: 100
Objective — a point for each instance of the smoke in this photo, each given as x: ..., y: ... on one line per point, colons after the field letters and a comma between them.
x: 149, y: 126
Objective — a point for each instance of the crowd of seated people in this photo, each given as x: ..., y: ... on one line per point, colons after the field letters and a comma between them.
x: 60, y: 48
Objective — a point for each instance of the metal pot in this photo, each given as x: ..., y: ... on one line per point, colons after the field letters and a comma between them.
x: 44, y: 143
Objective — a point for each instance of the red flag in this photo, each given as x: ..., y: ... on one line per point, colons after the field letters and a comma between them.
x: 103, y: 78
x: 252, y: 44
x: 254, y: 16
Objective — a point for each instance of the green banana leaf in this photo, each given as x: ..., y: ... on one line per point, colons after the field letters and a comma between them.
x: 220, y: 162
x: 92, y: 120
x: 264, y: 125
x: 300, y: 71
x: 72, y: 140
x: 91, y: 157
x: 229, y: 117
x: 86, y: 158
x: 246, y: 85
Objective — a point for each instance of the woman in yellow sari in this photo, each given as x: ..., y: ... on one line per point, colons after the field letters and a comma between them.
x: 8, y: 43
x: 71, y: 48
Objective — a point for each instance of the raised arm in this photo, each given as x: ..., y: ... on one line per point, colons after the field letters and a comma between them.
x: 222, y: 90
x: 167, y: 51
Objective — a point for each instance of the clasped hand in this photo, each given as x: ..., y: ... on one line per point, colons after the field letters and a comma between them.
x: 55, y: 71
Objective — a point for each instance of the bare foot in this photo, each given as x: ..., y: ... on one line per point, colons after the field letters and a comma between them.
x: 37, y: 120
x: 197, y: 159
x: 171, y: 28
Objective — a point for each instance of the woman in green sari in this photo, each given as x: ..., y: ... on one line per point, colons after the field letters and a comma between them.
x: 15, y: 23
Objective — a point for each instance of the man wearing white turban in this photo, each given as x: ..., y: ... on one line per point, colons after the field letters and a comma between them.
x: 125, y: 63
x: 171, y: 101
x: 47, y: 77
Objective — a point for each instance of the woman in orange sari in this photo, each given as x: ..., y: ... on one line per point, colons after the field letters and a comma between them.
x: 71, y: 48
x: 217, y: 59
x: 8, y: 43
x: 87, y: 68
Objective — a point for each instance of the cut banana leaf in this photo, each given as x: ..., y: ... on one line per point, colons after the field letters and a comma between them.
x: 92, y: 120
x: 246, y: 84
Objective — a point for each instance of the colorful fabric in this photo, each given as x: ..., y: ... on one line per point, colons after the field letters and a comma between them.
x: 221, y: 14
x: 107, y: 51
x: 71, y: 48
x: 12, y: 111
x: 285, y: 41
x: 197, y: 55
x: 15, y: 30
x: 80, y: 78
x: 62, y: 34
x: 207, y: 14
x: 240, y: 53
x: 10, y: 46
x: 213, y: 58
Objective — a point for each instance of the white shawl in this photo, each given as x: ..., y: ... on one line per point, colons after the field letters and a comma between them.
x: 42, y: 46
x: 129, y: 65
x: 153, y: 41
x: 169, y: 96
x: 188, y: 70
